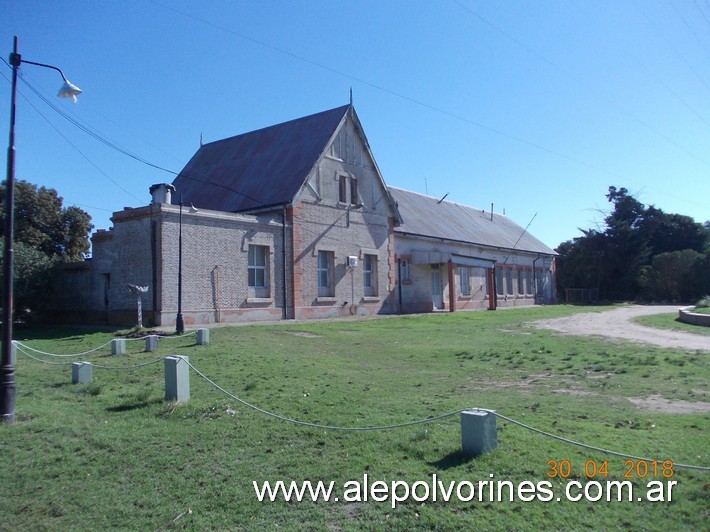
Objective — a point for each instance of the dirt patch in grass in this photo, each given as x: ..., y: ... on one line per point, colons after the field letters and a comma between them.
x: 578, y: 393
x: 657, y: 403
x: 617, y: 324
x: 525, y: 385
x: 514, y: 331
x: 304, y: 334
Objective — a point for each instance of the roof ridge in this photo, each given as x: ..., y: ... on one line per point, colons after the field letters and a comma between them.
x: 434, y: 198
x: 281, y: 124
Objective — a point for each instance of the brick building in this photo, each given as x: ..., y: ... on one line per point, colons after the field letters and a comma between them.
x: 454, y: 257
x: 294, y: 221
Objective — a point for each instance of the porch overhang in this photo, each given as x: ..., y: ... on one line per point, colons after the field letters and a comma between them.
x: 437, y: 257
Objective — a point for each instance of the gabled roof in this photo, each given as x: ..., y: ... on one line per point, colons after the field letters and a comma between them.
x: 429, y: 217
x: 261, y: 168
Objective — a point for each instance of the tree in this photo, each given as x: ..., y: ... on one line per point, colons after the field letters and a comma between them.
x: 642, y: 251
x: 42, y: 223
x: 671, y: 232
x: 45, y: 234
x: 624, y: 252
x: 34, y: 275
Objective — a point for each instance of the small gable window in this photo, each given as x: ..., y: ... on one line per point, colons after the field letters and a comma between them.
x: 353, y: 191
x: 343, y: 189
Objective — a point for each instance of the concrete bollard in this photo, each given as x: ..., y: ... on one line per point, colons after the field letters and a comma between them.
x: 478, y: 432
x: 203, y: 336
x: 151, y: 343
x: 118, y: 346
x: 81, y: 372
x: 177, y: 379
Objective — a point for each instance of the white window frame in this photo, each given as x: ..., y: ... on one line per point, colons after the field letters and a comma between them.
x: 258, y: 288
x: 465, y: 276
x: 499, y: 282
x: 509, y: 281
x: 369, y: 274
x: 405, y: 270
x: 529, y: 282
x: 324, y: 268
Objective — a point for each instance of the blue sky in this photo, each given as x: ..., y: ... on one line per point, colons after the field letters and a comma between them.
x: 534, y: 106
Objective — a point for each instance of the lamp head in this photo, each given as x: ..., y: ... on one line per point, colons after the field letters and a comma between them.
x: 69, y: 90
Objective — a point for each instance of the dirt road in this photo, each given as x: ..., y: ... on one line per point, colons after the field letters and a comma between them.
x: 617, y: 324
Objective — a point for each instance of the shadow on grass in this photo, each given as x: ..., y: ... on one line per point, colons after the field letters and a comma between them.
x: 61, y: 332
x: 454, y: 459
x: 127, y: 407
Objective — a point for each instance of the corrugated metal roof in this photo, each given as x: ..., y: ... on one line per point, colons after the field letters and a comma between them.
x: 261, y: 168
x: 427, y: 216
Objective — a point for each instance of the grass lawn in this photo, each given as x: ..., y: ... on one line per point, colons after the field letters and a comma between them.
x: 670, y: 321
x: 112, y: 454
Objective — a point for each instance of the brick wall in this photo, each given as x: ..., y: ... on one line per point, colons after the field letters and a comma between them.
x: 356, y: 227
x: 215, y: 266
x: 416, y: 294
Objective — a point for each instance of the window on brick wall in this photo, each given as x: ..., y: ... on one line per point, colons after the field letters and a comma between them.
x: 528, y: 281
x: 499, y: 282
x: 369, y: 269
x: 258, y: 271
x: 405, y: 271
x: 521, y: 286
x: 464, y: 273
x: 509, y: 282
x: 325, y: 273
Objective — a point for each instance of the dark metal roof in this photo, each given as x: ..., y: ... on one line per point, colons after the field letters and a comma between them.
x: 430, y: 217
x: 262, y: 168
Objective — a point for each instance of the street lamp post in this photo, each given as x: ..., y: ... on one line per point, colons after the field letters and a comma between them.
x: 8, y: 385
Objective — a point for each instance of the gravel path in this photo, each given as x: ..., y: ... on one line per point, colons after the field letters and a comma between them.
x: 617, y: 324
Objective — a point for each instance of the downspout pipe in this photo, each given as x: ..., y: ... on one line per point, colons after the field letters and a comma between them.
x: 284, y: 313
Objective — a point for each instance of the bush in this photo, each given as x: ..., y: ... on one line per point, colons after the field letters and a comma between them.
x: 675, y: 276
x: 34, y: 277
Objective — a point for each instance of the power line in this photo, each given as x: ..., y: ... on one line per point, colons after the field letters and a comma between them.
x: 92, y: 163
x: 420, y: 103
x: 438, y: 109
x: 93, y: 133
x: 193, y: 175
x: 580, y: 82
x: 681, y: 56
